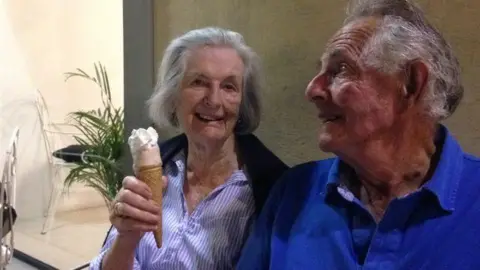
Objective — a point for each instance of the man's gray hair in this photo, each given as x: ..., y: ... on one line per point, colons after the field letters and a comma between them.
x: 163, y: 103
x: 405, y: 35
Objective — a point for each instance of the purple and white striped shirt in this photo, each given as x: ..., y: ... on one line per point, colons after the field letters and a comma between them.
x: 210, y: 238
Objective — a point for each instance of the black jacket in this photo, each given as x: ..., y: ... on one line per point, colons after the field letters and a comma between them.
x: 263, y: 167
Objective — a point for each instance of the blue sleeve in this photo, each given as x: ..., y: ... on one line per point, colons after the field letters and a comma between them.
x: 256, y: 251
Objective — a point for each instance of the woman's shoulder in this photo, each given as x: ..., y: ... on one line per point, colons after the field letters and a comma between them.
x: 253, y: 150
x: 171, y: 146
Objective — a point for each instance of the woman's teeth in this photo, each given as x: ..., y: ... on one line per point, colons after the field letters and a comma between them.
x: 207, y: 118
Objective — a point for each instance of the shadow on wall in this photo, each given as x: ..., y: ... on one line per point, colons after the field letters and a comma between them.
x: 33, y: 178
x: 17, y: 108
x: 41, y: 41
x: 282, y: 33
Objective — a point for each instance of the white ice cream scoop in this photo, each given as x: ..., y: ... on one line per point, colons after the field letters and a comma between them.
x: 141, y: 138
x: 144, y: 147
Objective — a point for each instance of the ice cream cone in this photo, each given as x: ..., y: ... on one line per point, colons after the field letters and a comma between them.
x: 147, y: 164
x: 152, y: 176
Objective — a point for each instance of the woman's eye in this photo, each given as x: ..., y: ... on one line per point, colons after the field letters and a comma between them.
x: 230, y: 87
x: 198, y: 82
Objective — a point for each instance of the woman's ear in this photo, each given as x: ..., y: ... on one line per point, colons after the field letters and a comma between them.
x: 416, y: 78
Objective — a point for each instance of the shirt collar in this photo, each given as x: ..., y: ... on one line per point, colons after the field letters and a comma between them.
x: 180, y: 160
x: 445, y: 179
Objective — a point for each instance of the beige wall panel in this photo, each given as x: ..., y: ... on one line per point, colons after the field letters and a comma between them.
x: 290, y: 36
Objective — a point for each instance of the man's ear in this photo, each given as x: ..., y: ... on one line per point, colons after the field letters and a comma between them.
x: 416, y: 78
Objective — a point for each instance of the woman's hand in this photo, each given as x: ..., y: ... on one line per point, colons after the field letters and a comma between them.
x: 133, y: 212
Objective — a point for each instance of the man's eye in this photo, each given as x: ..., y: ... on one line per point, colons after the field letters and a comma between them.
x: 339, y: 69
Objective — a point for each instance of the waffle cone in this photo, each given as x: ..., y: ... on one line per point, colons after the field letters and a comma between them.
x: 152, y: 176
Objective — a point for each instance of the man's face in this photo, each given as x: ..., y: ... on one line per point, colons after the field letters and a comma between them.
x: 355, y: 103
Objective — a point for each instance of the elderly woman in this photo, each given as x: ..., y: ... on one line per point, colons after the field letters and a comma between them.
x: 218, y: 174
x: 401, y: 193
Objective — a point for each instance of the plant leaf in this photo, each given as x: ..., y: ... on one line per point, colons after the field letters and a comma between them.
x: 102, y: 135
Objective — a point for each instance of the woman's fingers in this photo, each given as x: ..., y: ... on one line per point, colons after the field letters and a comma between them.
x: 126, y: 219
x: 125, y: 210
x: 138, y: 201
x: 137, y: 187
x: 130, y: 225
x: 164, y: 182
x: 133, y: 209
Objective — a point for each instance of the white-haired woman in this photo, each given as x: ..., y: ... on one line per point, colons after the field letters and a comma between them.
x: 218, y: 173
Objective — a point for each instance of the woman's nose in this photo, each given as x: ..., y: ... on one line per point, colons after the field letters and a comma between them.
x: 212, y: 99
x: 317, y: 89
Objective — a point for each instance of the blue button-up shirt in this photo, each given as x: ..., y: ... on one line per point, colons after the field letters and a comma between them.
x: 211, y: 237
x: 312, y: 221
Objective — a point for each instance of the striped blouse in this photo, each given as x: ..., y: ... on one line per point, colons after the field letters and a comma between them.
x: 211, y: 237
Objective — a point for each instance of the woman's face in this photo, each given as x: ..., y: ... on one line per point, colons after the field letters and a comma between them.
x: 211, y: 93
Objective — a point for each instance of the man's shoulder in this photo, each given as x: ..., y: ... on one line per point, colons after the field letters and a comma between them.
x: 461, y: 179
x: 298, y: 187
x: 471, y: 160
x: 317, y: 166
x: 309, y: 175
x: 470, y: 167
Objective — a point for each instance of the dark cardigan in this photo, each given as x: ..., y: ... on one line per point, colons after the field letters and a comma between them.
x: 263, y: 167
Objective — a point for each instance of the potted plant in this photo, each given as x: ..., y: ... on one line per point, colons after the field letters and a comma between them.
x: 102, y: 136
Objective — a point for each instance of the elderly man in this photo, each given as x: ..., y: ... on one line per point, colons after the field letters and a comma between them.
x: 401, y: 193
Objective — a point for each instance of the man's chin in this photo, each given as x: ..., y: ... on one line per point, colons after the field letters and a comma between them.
x: 328, y: 142
x: 325, y: 147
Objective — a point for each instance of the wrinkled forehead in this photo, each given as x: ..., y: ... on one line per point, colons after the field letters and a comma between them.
x: 351, y: 38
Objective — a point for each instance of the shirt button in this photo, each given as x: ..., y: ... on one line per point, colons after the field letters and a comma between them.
x: 345, y: 194
x: 192, y: 228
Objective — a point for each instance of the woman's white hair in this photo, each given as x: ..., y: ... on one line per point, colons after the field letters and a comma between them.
x: 162, y: 105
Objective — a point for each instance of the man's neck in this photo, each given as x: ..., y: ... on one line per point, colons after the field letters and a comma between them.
x: 212, y: 162
x: 392, y: 165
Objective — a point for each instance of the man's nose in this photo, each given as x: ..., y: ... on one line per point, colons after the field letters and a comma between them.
x: 317, y: 89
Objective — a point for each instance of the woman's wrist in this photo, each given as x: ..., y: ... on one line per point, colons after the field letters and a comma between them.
x: 130, y: 239
x: 121, y: 254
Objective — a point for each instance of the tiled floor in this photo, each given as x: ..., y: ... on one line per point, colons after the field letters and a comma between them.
x: 18, y: 265
x: 75, y: 237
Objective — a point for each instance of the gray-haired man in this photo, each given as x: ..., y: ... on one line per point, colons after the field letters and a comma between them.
x: 401, y: 193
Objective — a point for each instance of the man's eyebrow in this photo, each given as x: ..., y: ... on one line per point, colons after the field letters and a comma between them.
x: 331, y: 56
x: 339, y: 55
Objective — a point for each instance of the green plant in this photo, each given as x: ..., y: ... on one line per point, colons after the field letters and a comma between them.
x: 102, y: 135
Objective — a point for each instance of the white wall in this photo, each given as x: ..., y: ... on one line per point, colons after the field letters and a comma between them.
x: 40, y: 40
